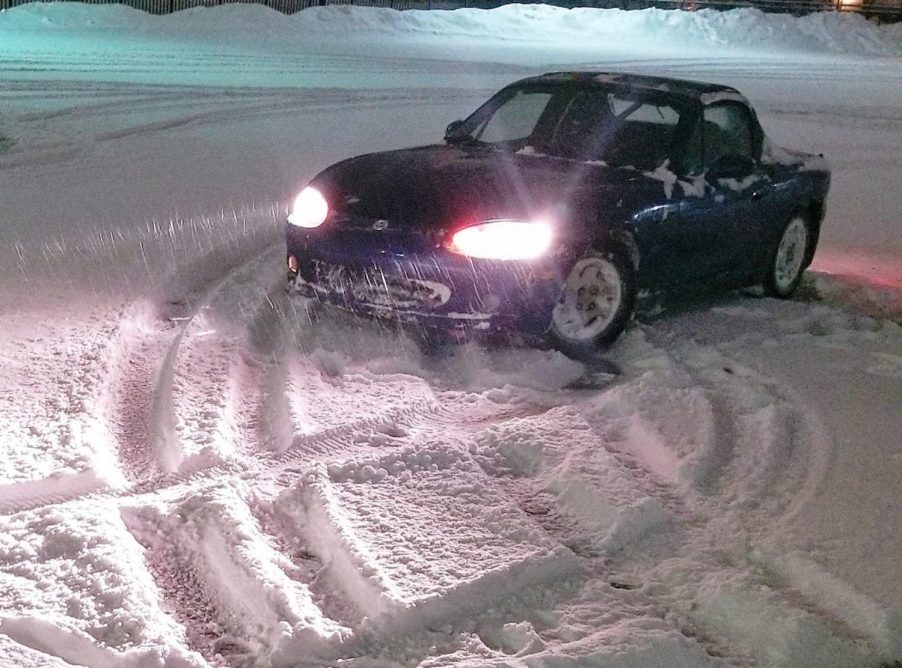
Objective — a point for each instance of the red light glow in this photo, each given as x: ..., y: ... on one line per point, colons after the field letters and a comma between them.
x: 503, y: 240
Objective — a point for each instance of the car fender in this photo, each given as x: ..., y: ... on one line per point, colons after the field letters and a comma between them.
x: 620, y: 241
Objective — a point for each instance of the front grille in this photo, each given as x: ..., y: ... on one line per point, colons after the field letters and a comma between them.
x: 375, y: 287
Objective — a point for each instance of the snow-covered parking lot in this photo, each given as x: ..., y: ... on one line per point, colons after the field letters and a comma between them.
x: 194, y: 473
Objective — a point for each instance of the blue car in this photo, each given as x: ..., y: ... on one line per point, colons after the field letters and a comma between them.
x: 554, y: 205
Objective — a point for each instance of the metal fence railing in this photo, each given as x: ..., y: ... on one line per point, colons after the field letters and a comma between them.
x: 879, y: 10
x: 889, y: 10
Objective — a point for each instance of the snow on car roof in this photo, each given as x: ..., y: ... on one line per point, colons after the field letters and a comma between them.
x: 705, y: 92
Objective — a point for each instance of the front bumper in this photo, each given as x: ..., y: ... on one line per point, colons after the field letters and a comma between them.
x: 427, y: 287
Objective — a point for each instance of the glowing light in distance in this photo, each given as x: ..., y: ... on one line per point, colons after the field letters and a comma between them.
x: 504, y: 240
x: 310, y: 209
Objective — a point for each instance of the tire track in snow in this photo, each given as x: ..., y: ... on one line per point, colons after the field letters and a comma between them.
x: 172, y: 109
x: 603, y: 504
x: 647, y: 507
x: 66, y: 420
x: 760, y: 461
x: 783, y: 604
x: 144, y: 413
x: 134, y: 387
x: 345, y: 441
x: 133, y: 400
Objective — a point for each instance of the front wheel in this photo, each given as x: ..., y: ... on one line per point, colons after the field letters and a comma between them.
x: 595, y: 304
x: 787, y: 261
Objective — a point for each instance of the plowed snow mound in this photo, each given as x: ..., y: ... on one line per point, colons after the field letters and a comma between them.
x: 827, y: 32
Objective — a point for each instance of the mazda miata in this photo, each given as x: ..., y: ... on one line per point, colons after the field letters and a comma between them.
x: 555, y: 205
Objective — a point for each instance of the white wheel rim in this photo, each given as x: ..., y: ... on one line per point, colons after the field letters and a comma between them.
x: 790, y: 254
x: 590, y: 300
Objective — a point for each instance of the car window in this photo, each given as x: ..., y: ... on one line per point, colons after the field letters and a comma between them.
x: 615, y: 128
x: 727, y: 130
x: 579, y: 132
x: 590, y: 123
x: 515, y: 119
x: 649, y: 113
x: 642, y: 134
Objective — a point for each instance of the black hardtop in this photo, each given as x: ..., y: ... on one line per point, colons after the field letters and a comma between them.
x: 645, y: 82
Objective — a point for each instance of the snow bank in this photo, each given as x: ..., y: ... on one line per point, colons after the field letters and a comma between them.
x: 826, y: 32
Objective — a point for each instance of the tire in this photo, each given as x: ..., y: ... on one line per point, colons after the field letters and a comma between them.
x: 596, y: 302
x: 788, y: 259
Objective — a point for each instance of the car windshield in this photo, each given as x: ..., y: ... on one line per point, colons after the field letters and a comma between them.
x: 591, y: 123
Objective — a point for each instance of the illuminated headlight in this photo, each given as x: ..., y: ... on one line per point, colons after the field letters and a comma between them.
x: 310, y: 208
x: 503, y: 240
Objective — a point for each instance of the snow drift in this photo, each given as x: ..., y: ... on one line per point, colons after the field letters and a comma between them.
x: 824, y: 32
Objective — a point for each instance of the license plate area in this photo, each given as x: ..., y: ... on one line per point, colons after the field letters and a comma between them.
x: 376, y: 287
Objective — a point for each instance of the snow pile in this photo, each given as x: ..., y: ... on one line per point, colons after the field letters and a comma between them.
x: 65, y: 16
x: 825, y: 32
x: 75, y: 586
x: 828, y: 32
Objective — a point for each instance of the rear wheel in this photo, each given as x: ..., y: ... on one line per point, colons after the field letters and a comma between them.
x: 595, y: 304
x: 788, y: 259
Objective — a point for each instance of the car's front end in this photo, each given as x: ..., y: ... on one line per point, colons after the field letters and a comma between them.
x: 480, y: 278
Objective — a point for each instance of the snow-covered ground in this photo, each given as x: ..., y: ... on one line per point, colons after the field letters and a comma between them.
x: 195, y: 473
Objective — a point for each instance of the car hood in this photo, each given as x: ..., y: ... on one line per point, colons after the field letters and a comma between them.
x: 442, y: 187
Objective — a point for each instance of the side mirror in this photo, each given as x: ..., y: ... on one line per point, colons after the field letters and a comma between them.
x: 731, y: 166
x: 452, y: 130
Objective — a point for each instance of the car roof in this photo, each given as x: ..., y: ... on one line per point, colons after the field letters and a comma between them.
x: 706, y: 93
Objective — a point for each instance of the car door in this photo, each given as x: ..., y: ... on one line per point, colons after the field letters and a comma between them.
x: 733, y: 195
x: 647, y: 133
x: 690, y: 237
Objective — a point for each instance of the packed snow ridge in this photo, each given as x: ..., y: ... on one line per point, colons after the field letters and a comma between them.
x: 200, y: 471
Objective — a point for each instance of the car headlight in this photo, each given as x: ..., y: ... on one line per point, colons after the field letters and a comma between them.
x: 310, y: 209
x: 503, y: 240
